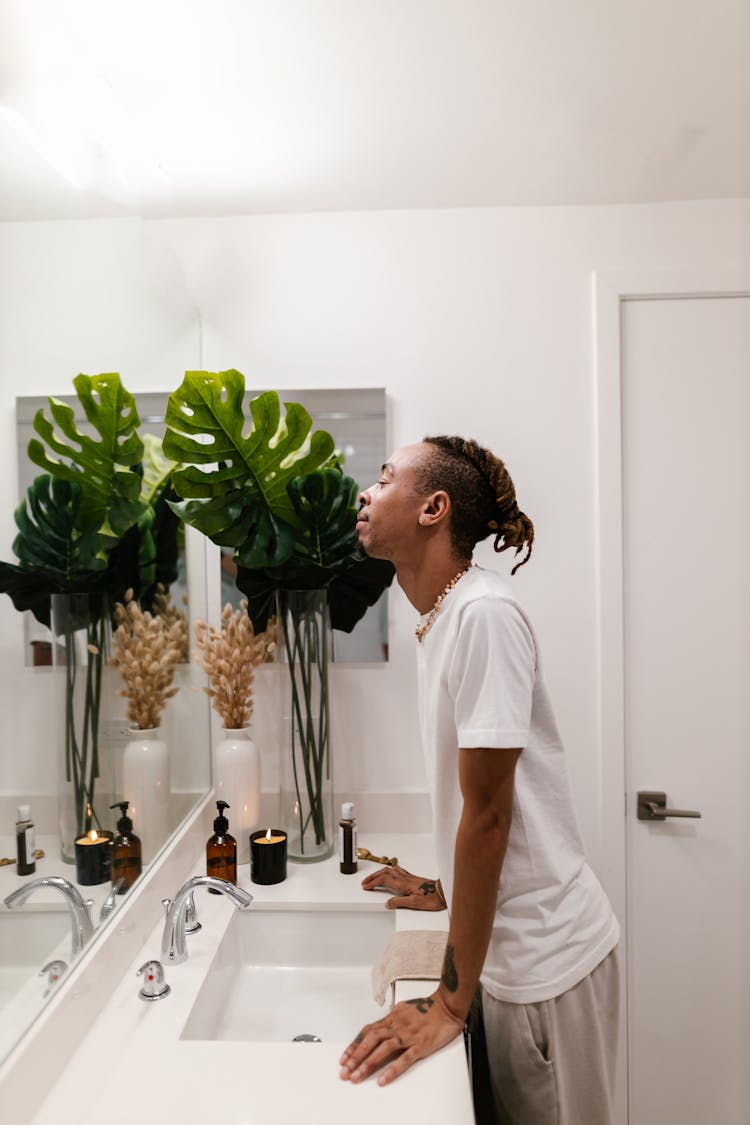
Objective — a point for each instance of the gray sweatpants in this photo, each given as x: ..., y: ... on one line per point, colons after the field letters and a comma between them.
x: 553, y: 1063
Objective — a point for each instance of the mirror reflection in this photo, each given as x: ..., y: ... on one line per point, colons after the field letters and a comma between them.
x: 64, y: 900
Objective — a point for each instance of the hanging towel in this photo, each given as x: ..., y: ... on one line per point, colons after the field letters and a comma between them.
x: 409, y: 955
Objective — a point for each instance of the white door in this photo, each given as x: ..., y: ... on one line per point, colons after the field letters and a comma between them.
x: 685, y: 372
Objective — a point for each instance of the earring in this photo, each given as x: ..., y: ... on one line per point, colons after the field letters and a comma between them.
x: 421, y: 519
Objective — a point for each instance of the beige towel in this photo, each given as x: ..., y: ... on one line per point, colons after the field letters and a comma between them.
x: 409, y: 955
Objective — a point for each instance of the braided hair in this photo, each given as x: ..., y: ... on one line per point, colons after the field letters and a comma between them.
x: 483, y: 498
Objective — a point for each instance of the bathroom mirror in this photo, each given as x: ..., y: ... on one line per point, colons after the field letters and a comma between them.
x: 36, y: 951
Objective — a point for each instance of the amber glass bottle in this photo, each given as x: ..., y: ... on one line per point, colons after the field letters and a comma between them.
x: 221, y: 850
x: 126, y: 851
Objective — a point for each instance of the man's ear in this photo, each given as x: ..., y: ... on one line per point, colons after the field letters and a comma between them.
x: 436, y: 509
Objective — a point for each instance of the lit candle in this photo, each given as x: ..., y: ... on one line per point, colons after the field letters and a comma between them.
x: 268, y: 856
x: 93, y: 858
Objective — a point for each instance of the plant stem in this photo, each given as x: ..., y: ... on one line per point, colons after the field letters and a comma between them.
x: 305, y: 642
x: 82, y: 746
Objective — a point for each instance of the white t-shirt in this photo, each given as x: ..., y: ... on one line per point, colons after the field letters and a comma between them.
x: 481, y: 685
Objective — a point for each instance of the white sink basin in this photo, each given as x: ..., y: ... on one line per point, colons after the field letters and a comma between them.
x: 280, y: 974
x: 29, y: 937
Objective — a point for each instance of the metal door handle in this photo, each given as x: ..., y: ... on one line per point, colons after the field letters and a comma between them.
x: 653, y: 806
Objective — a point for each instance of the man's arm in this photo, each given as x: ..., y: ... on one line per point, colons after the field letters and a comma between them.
x: 417, y: 1028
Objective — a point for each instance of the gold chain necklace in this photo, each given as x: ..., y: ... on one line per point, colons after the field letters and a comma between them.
x: 423, y: 629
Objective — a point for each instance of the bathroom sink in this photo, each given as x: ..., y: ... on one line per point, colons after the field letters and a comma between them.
x: 29, y: 938
x: 280, y: 974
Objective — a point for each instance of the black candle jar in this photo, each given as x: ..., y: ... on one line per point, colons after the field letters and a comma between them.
x: 268, y: 856
x: 93, y: 858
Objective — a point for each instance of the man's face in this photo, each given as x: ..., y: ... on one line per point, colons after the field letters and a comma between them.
x: 388, y: 522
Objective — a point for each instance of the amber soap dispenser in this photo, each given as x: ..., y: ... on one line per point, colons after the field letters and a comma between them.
x: 221, y: 850
x: 126, y: 851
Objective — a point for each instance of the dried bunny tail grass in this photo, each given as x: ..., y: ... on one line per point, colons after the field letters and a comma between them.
x: 229, y: 656
x: 171, y: 614
x: 145, y: 649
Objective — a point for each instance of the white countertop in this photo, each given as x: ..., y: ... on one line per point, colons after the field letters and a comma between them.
x: 133, y: 1066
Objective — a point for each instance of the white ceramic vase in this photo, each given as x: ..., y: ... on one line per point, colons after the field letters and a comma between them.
x: 145, y: 784
x: 236, y: 778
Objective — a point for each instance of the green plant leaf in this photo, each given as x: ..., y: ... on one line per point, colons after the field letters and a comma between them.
x: 147, y: 553
x: 352, y: 589
x: 108, y: 469
x: 326, y: 554
x: 326, y: 506
x: 48, y: 535
x: 233, y: 477
x: 31, y: 589
x: 157, y: 470
x: 355, y: 589
x: 54, y: 557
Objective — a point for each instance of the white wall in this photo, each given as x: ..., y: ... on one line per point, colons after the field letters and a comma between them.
x: 77, y: 296
x: 475, y: 321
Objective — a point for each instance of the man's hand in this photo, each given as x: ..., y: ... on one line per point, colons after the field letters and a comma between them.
x: 412, y: 891
x: 412, y: 1030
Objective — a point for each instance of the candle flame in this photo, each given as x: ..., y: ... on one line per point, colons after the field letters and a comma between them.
x: 268, y: 834
x: 93, y: 835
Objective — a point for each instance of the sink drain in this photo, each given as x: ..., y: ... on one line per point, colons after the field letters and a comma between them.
x: 307, y: 1038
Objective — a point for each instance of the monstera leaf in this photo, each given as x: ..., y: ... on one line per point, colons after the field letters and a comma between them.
x: 100, y: 520
x: 150, y: 549
x: 325, y: 506
x: 47, y: 529
x: 157, y: 470
x: 326, y: 554
x: 234, y: 479
x: 107, y: 469
x: 54, y: 557
x: 273, y: 491
x: 351, y: 591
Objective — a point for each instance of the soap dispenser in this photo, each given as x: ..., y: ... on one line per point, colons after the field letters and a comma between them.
x: 126, y: 851
x: 221, y: 850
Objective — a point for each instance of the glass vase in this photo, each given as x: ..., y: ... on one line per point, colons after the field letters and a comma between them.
x: 305, y: 649
x: 81, y: 645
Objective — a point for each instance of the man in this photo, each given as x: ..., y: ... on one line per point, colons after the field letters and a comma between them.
x: 528, y: 920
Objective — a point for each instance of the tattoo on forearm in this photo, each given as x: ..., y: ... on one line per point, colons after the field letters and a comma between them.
x: 428, y: 887
x: 422, y: 1004
x: 450, y: 974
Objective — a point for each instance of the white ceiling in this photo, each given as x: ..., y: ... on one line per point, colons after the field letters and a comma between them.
x: 212, y: 107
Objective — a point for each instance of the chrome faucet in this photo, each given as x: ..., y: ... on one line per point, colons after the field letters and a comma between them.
x: 82, y: 929
x: 173, y: 949
x: 111, y: 900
